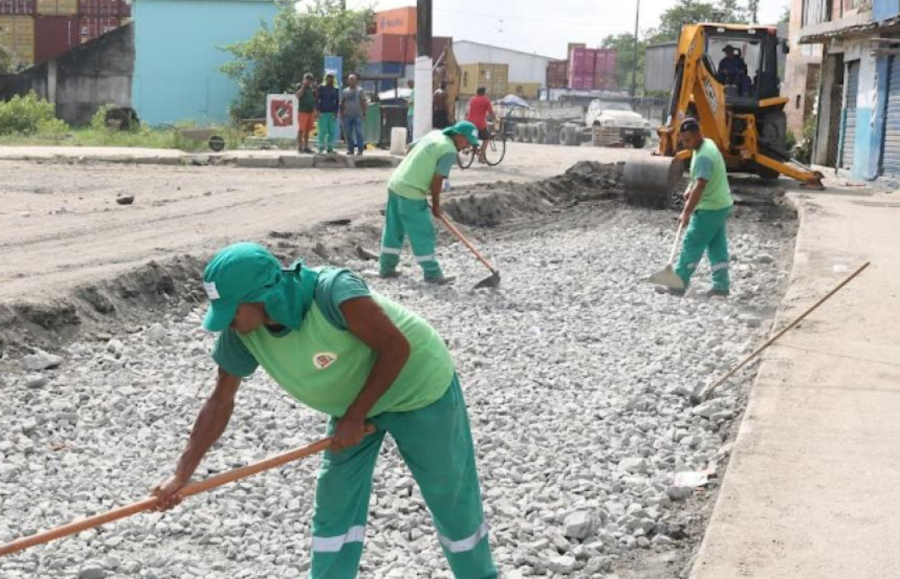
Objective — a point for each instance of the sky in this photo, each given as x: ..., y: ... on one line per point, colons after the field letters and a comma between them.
x: 546, y: 27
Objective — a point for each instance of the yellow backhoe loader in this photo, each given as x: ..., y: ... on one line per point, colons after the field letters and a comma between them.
x: 726, y: 76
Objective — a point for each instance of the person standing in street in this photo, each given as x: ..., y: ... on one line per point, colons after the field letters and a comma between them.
x: 410, y: 110
x: 306, y: 99
x: 481, y: 113
x: 353, y: 111
x: 328, y: 102
x: 420, y: 175
x: 441, y: 107
x: 708, y: 204
x: 363, y: 360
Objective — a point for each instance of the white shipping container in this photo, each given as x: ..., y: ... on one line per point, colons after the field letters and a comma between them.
x: 523, y: 67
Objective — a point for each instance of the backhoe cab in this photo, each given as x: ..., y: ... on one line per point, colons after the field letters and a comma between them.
x: 726, y: 76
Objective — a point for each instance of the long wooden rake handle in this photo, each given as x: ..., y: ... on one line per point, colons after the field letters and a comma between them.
x: 710, y: 389
x: 675, y: 243
x: 466, y: 242
x: 150, y: 502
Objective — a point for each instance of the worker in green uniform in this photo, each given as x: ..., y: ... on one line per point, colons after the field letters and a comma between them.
x: 708, y: 204
x: 361, y: 358
x: 421, y: 174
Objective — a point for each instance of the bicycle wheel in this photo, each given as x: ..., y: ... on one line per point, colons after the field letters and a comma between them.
x: 465, y: 158
x: 496, y: 150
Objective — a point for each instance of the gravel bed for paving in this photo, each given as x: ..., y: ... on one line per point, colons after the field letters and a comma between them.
x: 577, y: 375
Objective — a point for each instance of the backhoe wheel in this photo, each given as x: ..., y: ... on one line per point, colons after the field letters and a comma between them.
x: 767, y: 174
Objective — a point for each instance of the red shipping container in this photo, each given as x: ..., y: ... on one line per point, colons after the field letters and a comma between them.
x: 54, y: 35
x: 557, y: 74
x: 94, y: 26
x: 606, y: 61
x: 392, y: 48
x: 17, y: 7
x: 117, y: 8
x: 582, y: 82
x: 582, y: 61
x: 605, y: 81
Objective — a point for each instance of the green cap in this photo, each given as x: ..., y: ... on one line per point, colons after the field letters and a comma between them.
x: 240, y: 273
x: 466, y: 129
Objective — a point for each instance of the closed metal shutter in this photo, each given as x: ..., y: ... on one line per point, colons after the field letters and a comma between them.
x: 890, y: 152
x: 849, y: 138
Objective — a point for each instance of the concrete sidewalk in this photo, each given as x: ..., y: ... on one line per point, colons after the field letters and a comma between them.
x: 265, y: 159
x: 811, y: 490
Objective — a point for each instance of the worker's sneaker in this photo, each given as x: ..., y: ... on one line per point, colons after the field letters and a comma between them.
x: 718, y: 293
x: 442, y: 280
x: 389, y: 274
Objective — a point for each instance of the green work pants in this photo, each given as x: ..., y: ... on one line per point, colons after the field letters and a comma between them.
x: 327, y: 131
x: 436, y: 444
x: 408, y: 217
x: 707, y: 233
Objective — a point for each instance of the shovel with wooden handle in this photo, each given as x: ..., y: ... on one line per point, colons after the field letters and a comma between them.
x: 150, y: 503
x: 667, y: 276
x: 492, y: 280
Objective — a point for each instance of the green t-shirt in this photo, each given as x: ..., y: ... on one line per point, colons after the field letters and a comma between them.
x: 707, y: 164
x: 411, y: 104
x: 324, y: 366
x: 306, y: 99
x: 435, y: 153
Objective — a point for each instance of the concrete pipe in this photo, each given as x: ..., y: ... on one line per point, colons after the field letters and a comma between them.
x: 654, y: 182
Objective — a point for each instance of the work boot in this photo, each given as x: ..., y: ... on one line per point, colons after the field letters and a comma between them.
x: 718, y: 293
x: 442, y: 280
x: 389, y: 274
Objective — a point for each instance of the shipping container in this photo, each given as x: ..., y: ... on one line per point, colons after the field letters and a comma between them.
x: 17, y: 7
x: 582, y: 61
x: 382, y: 68
x: 605, y: 61
x: 401, y: 21
x: 581, y: 82
x: 57, y: 7
x: 17, y: 35
x: 391, y: 48
x: 526, y: 90
x: 605, y: 81
x: 572, y: 46
x: 90, y: 27
x: 494, y: 77
x: 659, y: 67
x: 54, y: 35
x: 94, y: 8
x: 557, y: 74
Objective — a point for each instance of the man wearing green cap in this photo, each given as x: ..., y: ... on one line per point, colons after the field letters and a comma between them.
x: 358, y: 357
x: 421, y: 174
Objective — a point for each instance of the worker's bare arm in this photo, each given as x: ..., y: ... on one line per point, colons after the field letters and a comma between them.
x: 693, y: 198
x: 208, y: 427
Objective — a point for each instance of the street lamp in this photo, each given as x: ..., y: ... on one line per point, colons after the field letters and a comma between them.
x: 637, y: 20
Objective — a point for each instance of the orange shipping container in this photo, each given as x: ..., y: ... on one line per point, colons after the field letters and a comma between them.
x: 17, y: 34
x: 392, y: 48
x: 401, y: 21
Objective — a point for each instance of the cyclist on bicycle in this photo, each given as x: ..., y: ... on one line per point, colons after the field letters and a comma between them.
x: 481, y: 112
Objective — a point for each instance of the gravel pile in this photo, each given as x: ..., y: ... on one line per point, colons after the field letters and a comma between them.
x: 577, y: 376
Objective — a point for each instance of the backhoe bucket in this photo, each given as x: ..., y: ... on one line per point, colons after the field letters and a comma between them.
x: 654, y: 182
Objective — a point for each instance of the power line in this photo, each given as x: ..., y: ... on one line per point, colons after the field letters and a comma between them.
x: 525, y: 18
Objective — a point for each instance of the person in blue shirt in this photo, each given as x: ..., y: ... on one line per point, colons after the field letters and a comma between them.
x: 328, y: 103
x: 732, y: 68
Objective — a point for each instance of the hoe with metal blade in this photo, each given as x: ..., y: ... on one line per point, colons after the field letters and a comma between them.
x: 667, y: 276
x: 492, y: 280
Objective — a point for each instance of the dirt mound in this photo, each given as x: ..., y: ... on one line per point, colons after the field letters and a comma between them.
x: 489, y: 205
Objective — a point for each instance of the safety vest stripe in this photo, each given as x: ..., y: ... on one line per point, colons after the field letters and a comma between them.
x: 466, y: 544
x: 718, y: 266
x: 390, y: 250
x: 335, y: 544
x: 424, y: 258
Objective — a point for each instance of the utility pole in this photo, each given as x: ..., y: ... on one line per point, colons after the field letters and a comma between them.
x: 634, y: 64
x: 423, y: 90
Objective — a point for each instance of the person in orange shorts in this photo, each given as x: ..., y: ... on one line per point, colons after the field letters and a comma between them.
x: 306, y: 107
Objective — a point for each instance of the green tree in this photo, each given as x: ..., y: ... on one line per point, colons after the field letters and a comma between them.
x: 693, y: 11
x: 624, y: 45
x: 275, y: 58
x: 6, y: 59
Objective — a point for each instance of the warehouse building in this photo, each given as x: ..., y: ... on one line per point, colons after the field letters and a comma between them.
x: 523, y: 66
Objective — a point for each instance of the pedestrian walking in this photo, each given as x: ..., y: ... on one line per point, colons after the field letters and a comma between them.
x: 410, y: 110
x: 420, y: 175
x: 306, y: 106
x: 360, y: 358
x: 328, y: 102
x: 353, y: 111
x: 441, y: 107
x: 708, y: 204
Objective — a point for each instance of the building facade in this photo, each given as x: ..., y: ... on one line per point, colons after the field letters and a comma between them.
x: 523, y: 67
x: 178, y: 56
x: 858, y: 112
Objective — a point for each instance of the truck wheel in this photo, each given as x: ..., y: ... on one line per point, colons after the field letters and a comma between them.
x: 639, y: 142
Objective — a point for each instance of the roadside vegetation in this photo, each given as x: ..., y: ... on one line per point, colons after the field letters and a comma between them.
x: 30, y: 120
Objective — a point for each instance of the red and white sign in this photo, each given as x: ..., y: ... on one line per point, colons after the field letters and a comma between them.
x: 281, y: 116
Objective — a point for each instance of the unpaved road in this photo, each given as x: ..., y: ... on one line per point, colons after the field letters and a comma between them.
x: 60, y: 225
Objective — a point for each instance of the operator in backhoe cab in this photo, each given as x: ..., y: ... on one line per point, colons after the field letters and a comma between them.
x: 732, y: 68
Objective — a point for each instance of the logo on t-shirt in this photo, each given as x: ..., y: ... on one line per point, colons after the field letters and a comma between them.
x: 323, y: 360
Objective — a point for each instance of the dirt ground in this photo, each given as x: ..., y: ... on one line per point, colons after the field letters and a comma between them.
x: 60, y: 224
